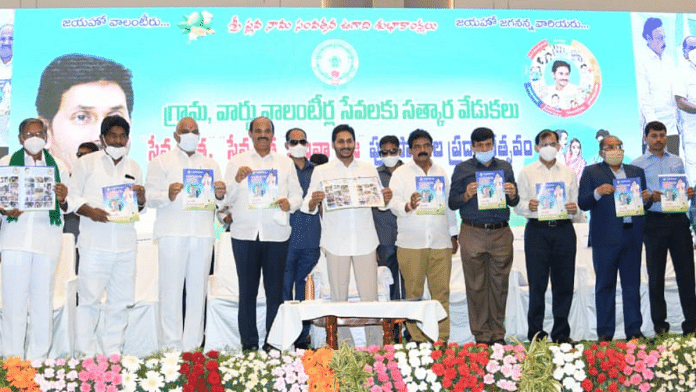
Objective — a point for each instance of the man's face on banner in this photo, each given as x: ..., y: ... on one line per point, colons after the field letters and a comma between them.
x: 79, y: 117
x: 6, y: 41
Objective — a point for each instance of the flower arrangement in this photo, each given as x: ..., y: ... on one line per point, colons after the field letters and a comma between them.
x: 504, y: 366
x: 460, y: 367
x: 57, y: 374
x: 201, y: 372
x: 160, y: 372
x: 414, y: 362
x: 383, y: 370
x: 100, y: 374
x: 619, y: 366
x: 248, y: 371
x: 676, y: 368
x: 17, y: 376
x: 569, y: 366
x: 321, y: 376
x: 290, y: 375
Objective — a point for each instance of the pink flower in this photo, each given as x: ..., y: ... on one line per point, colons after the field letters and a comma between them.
x: 640, y: 366
x: 389, y: 347
x: 376, y: 388
x: 492, y: 367
x: 370, y: 381
x: 651, y: 360
x: 644, y: 387
x: 380, y: 368
x: 60, y: 362
x: 114, y: 358
x: 368, y: 368
x: 383, y: 377
x: 387, y: 387
x: 87, y: 361
x: 391, y: 365
x: 648, y: 374
x: 400, y: 386
x: 488, y: 379
x: 372, y: 349
x: 116, y: 368
x: 99, y: 386
x: 83, y: 376
x: 636, y: 379
x: 630, y: 359
x: 389, y: 355
x: 378, y: 358
x: 84, y: 387
x: 102, y: 358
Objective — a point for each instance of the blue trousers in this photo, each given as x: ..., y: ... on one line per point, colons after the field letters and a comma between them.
x: 624, y: 259
x: 251, y: 257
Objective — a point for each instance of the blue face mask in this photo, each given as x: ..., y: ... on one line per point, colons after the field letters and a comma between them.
x: 484, y: 157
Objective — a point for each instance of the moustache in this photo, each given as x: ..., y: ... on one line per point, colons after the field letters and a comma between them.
x: 423, y: 154
x: 263, y: 138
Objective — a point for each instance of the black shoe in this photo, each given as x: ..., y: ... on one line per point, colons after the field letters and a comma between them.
x: 564, y: 339
x: 250, y: 347
x: 539, y: 336
x: 605, y: 338
x: 499, y: 341
x: 661, y: 331
x: 637, y: 336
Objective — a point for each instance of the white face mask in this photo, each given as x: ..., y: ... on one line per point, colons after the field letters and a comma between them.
x: 692, y: 56
x: 613, y: 157
x: 34, y: 144
x: 116, y: 152
x: 298, y: 151
x: 548, y: 153
x: 390, y: 161
x: 188, y: 141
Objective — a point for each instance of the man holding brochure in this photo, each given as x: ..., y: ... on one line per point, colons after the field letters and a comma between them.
x: 184, y: 232
x: 617, y: 232
x: 348, y: 233
x: 548, y: 199
x: 31, y: 243
x: 427, y: 228
x: 667, y: 228
x: 482, y: 189
x: 107, y: 243
x: 263, y: 190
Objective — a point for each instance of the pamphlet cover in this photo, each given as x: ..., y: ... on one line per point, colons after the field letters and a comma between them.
x: 352, y: 193
x: 263, y: 189
x: 198, y: 190
x: 490, y: 191
x: 627, y: 197
x: 27, y: 188
x: 432, y: 191
x: 552, y: 200
x: 673, y: 188
x: 121, y: 202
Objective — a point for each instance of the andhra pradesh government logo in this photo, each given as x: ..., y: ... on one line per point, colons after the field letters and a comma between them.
x: 335, y: 62
x: 563, y: 78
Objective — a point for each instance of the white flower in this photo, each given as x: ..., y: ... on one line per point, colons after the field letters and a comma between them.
x: 414, y: 361
x: 171, y: 373
x: 412, y: 387
x: 558, y: 374
x: 171, y: 358
x: 430, y: 377
x: 153, y: 382
x: 131, y: 363
x: 566, y: 347
x: 411, y: 345
x: 579, y: 375
x: 420, y: 373
x: 152, y: 363
x: 128, y: 381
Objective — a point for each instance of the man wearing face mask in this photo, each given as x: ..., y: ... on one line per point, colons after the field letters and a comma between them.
x: 549, y: 245
x: 303, y: 249
x: 685, y: 95
x: 654, y: 73
x: 485, y: 239
x: 31, y: 243
x: 184, y: 237
x: 107, y: 249
x: 426, y: 238
x: 616, y: 241
x: 385, y: 221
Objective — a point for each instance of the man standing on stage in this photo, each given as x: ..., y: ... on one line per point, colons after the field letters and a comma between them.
x: 184, y: 237
x: 549, y: 245
x: 485, y: 238
x: 260, y: 231
x: 666, y: 231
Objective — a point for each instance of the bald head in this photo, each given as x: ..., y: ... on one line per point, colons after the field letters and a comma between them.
x: 187, y: 125
x: 688, y: 45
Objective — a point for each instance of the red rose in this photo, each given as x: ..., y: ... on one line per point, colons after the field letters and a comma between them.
x: 185, y: 368
x: 188, y: 388
x: 212, y: 354
x: 197, y: 369
x: 613, y: 373
x: 446, y: 383
x: 211, y: 365
x: 438, y: 369
x: 587, y: 385
x: 214, y: 378
x: 622, y: 379
x: 601, y: 378
x: 450, y: 373
x: 592, y: 371
x: 613, y: 387
x: 463, y: 370
x: 198, y: 357
x: 605, y: 366
x: 448, y: 361
x: 187, y: 356
x: 436, y: 355
x: 217, y: 388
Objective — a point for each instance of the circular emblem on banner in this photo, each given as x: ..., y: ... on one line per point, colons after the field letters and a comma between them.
x: 335, y: 62
x: 563, y: 78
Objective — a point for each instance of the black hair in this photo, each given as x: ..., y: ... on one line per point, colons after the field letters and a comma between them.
x: 92, y: 146
x: 26, y: 122
x: 559, y: 63
x: 544, y: 133
x: 318, y: 159
x: 650, y: 25
x: 251, y: 124
x: 342, y: 128
x: 655, y: 126
x: 389, y: 139
x: 418, y: 134
x: 114, y: 121
x: 482, y: 134
x: 287, y: 134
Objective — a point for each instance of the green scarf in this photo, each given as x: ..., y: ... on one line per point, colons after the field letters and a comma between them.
x: 18, y: 160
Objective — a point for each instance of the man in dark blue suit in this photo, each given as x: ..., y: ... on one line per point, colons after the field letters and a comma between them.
x: 616, y: 241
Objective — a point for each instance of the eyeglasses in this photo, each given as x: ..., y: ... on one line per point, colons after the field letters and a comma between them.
x: 613, y: 148
x: 393, y: 151
x: 296, y: 142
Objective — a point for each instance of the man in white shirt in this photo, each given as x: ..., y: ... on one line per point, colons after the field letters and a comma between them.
x: 426, y: 236
x: 654, y: 73
x: 348, y: 236
x: 107, y: 249
x: 260, y: 233
x: 185, y: 237
x: 31, y: 244
x: 549, y: 243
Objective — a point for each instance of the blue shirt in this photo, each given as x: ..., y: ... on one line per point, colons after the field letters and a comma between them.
x: 306, y: 228
x: 654, y: 166
x: 464, y: 174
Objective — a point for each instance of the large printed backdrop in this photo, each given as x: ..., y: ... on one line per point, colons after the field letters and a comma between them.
x: 384, y: 71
